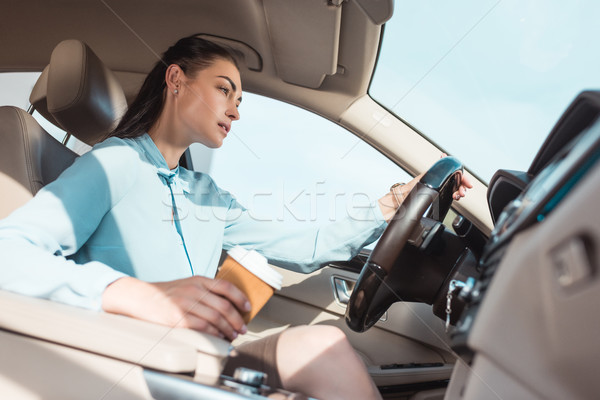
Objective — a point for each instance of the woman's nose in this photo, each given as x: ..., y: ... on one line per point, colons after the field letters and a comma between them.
x: 233, y: 113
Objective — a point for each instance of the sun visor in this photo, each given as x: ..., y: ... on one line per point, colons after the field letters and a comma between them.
x: 305, y: 39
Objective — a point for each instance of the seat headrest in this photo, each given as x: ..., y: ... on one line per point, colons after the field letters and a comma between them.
x: 37, y: 98
x: 82, y: 94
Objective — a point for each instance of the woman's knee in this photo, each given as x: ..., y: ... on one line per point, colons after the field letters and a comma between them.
x: 318, y: 360
x: 317, y: 338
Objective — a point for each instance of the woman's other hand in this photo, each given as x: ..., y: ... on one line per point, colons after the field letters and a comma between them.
x: 199, y: 303
x: 465, y: 184
x: 394, y: 198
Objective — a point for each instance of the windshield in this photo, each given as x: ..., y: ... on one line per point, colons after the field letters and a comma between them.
x: 487, y: 80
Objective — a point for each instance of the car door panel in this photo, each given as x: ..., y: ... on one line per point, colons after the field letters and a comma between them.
x: 410, y: 335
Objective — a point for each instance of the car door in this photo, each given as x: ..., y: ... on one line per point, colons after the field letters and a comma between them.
x: 291, y: 167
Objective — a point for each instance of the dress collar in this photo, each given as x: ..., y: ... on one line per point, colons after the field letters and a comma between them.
x: 154, y: 155
x: 156, y: 158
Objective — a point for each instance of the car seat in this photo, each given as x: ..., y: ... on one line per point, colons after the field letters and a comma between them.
x: 29, y: 158
x: 77, y: 93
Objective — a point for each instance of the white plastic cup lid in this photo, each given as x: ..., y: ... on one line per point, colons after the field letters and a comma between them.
x: 258, y: 265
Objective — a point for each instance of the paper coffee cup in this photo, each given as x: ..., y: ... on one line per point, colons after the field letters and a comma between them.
x: 251, y: 273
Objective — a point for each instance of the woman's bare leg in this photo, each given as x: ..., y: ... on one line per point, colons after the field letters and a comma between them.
x: 320, y: 362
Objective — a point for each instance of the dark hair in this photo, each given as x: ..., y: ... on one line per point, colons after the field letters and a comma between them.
x: 192, y: 54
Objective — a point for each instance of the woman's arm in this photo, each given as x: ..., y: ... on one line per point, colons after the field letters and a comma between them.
x: 306, y: 249
x: 36, y: 239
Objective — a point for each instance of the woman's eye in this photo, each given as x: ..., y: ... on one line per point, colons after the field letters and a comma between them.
x: 224, y: 89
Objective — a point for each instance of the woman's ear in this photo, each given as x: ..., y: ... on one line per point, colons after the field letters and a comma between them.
x: 173, y: 78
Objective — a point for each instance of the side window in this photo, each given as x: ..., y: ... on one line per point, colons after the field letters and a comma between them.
x: 288, y: 165
x: 15, y: 88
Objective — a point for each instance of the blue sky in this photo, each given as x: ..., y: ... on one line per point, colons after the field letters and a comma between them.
x: 487, y: 80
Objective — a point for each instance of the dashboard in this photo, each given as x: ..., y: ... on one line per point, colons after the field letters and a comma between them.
x: 529, y: 329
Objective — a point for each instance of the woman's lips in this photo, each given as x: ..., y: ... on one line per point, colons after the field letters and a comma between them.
x: 224, y: 127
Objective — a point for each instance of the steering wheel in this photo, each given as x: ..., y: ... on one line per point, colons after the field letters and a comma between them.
x: 383, y: 280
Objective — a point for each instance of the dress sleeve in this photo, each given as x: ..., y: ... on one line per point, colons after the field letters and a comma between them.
x: 304, y: 248
x: 36, y: 239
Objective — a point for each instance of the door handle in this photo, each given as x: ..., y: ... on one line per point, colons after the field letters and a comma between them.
x: 342, y: 289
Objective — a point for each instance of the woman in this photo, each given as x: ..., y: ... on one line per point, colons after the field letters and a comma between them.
x: 128, y: 231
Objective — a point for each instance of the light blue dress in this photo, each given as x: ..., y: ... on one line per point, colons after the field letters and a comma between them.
x: 111, y: 214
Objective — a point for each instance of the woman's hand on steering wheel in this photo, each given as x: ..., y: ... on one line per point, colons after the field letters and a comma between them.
x: 428, y: 199
x: 398, y: 192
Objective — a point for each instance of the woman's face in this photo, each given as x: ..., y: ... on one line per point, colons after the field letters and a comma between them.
x: 208, y: 102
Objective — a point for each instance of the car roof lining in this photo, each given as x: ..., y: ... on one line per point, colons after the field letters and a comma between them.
x: 346, y: 52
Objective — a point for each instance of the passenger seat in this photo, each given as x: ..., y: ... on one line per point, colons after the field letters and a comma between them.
x: 29, y: 158
x: 77, y: 93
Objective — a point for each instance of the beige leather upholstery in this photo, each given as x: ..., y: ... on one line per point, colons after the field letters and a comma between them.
x: 76, y: 92
x: 82, y: 95
x: 38, y: 98
x: 29, y: 158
